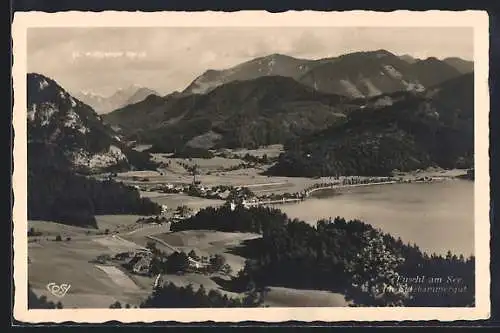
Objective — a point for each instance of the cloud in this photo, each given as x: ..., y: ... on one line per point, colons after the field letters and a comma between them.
x: 308, y: 43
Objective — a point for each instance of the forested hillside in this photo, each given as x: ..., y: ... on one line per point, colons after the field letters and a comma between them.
x: 267, y: 110
x: 67, y: 140
x: 349, y: 257
x: 407, y: 132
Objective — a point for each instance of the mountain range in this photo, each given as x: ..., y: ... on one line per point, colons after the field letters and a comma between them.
x: 359, y: 74
x: 57, y: 119
x: 275, y: 99
x: 104, y: 104
x: 366, y: 113
x: 262, y: 111
x: 266, y: 101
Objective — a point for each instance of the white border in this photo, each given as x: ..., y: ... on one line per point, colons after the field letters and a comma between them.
x: 476, y: 19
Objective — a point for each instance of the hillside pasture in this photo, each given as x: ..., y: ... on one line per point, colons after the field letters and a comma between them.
x: 52, y: 229
x: 209, y: 242
x: 72, y: 263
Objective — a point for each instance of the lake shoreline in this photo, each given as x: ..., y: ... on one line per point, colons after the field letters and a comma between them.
x: 419, y: 213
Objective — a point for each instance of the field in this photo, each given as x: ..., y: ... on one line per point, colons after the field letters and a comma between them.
x: 216, y: 171
x: 118, y: 277
x: 116, y: 222
x: 271, y: 151
x: 113, y: 223
x: 286, y: 297
x: 71, y: 262
x: 52, y: 229
x: 175, y: 200
x: 208, y: 242
x: 98, y: 285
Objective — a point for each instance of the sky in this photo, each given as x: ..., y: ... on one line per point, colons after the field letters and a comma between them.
x: 167, y: 59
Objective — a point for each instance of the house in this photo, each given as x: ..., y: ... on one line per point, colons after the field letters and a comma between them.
x: 196, y: 264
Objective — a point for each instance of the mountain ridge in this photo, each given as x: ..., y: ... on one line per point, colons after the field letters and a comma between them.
x: 415, y: 131
x: 67, y: 142
x: 248, y: 113
x: 356, y: 74
x: 56, y: 118
x: 121, y: 97
x: 463, y: 66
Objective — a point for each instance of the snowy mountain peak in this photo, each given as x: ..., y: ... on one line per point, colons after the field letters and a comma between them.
x: 121, y: 97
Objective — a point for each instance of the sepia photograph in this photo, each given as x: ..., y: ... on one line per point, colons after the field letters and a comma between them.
x: 247, y: 166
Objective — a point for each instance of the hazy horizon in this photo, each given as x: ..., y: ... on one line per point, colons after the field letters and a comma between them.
x: 103, y: 60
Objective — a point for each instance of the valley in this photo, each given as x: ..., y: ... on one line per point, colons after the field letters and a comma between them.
x: 97, y: 285
x: 226, y: 193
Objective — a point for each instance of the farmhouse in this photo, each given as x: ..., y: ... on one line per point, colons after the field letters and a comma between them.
x: 143, y: 265
x: 141, y: 262
x: 196, y: 264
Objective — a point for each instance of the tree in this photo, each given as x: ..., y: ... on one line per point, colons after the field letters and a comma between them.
x: 193, y: 255
x: 32, y: 232
x: 184, y: 210
x: 193, y: 170
x: 151, y: 245
x: 103, y: 258
x: 217, y: 261
x: 116, y: 305
x: 375, y: 274
x: 58, y: 238
x: 177, y: 262
x: 35, y: 302
x: 226, y: 269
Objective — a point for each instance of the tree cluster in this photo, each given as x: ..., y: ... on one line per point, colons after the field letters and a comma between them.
x: 171, y: 296
x: 57, y: 193
x: 35, y: 302
x: 350, y: 257
x: 415, y: 132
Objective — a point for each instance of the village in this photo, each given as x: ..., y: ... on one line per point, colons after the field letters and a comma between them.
x: 150, y: 262
x: 243, y: 195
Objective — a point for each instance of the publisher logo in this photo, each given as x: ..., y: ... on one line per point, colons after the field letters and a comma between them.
x: 58, y: 290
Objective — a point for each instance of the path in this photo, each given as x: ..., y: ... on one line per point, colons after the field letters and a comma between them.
x: 164, y: 243
x: 164, y: 227
x: 308, y: 192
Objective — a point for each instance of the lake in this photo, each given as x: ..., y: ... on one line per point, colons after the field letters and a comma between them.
x: 436, y: 216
